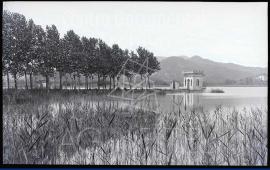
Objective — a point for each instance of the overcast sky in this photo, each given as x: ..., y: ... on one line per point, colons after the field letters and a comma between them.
x: 224, y: 32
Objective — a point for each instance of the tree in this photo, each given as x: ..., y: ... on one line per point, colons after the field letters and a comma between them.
x: 128, y: 66
x: 52, y: 51
x: 148, y: 59
x: 30, y: 60
x: 98, y: 61
x: 154, y: 64
x: 64, y: 56
x: 73, y: 50
x: 61, y: 63
x: 86, y: 54
x: 28, y: 49
x: 104, y: 61
x: 132, y: 67
x: 45, y: 67
x: 142, y: 54
x: 18, y: 26
x: 88, y: 57
x: 94, y: 53
x: 117, y: 56
x: 7, y: 44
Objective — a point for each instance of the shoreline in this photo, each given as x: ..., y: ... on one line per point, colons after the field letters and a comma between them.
x: 238, y: 86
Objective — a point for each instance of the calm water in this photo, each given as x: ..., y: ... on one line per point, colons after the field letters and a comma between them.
x: 233, y: 97
x: 238, y: 97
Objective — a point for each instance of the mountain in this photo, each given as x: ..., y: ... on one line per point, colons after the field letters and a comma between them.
x: 215, y: 72
x: 160, y: 58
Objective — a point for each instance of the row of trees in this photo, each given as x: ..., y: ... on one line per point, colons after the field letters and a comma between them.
x: 30, y: 50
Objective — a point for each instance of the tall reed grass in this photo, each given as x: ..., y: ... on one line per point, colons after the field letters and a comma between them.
x: 88, y: 128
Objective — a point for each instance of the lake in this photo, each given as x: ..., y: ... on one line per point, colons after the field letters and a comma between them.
x: 238, y: 97
x: 233, y: 97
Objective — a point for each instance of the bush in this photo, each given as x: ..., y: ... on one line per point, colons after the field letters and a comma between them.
x: 217, y: 91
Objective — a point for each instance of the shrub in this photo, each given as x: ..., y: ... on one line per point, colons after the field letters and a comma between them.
x: 217, y: 91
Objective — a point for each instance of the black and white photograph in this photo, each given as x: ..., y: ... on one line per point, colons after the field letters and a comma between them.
x: 135, y: 83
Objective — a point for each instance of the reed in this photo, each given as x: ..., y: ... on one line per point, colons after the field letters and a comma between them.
x: 88, y: 128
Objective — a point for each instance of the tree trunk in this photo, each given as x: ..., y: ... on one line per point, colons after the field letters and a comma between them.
x: 79, y: 81
x: 31, y: 80
x: 26, y: 85
x: 148, y: 82
x: 110, y: 82
x: 47, y: 82
x: 98, y: 81
x: 54, y: 80
x: 66, y: 81
x: 92, y: 77
x: 86, y: 82
x: 141, y: 81
x: 71, y: 81
x: 55, y: 87
x: 104, y: 82
x: 129, y: 82
x: 60, y: 79
x: 117, y: 78
x: 15, y: 81
x: 74, y: 77
x: 113, y: 82
x: 7, y: 79
x: 145, y: 81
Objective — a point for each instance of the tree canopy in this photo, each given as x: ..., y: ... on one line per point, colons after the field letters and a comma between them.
x: 28, y: 49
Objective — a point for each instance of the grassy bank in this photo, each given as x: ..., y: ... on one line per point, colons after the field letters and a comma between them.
x: 85, y: 127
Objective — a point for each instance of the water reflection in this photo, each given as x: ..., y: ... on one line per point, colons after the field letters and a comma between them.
x: 178, y: 101
x: 234, y: 97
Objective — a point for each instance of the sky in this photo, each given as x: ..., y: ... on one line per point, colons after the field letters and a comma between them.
x: 224, y: 32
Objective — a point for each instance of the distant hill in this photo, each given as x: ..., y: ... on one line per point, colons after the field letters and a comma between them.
x: 215, y: 72
x: 160, y: 58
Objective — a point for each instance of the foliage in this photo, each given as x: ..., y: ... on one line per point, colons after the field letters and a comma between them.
x: 28, y: 49
x: 217, y: 91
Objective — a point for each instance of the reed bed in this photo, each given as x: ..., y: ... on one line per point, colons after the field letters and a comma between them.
x: 88, y: 128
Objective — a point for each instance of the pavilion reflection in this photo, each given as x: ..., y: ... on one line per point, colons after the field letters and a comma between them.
x: 185, y: 101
